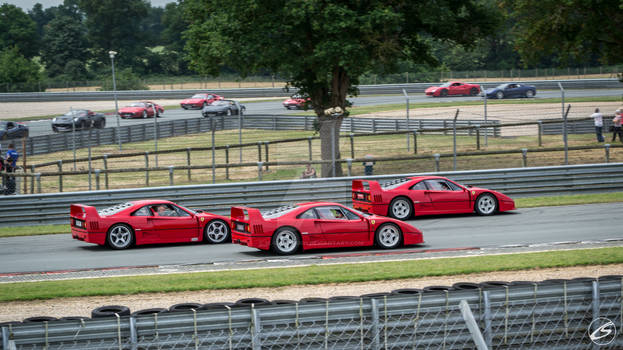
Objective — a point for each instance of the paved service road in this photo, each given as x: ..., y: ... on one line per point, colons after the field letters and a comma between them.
x: 43, y: 127
x: 524, y: 226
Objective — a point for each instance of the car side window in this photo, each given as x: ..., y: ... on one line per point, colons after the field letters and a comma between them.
x: 420, y: 186
x: 331, y: 213
x: 438, y: 185
x: 453, y: 186
x: 180, y: 212
x: 144, y: 211
x: 308, y: 214
x: 350, y: 215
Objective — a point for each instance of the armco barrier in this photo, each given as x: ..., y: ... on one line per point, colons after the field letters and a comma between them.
x: 529, y: 315
x: 218, y: 198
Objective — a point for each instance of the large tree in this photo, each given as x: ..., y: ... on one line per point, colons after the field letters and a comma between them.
x: 574, y: 30
x: 324, y: 46
x: 64, y: 41
x: 17, y: 73
x: 17, y: 30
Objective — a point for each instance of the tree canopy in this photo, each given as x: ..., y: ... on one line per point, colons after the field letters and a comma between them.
x: 18, y: 30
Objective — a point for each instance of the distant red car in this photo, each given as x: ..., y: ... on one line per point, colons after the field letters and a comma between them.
x: 453, y: 88
x: 141, y: 109
x: 198, y: 101
x: 317, y: 225
x: 426, y: 195
x: 146, y: 222
x: 297, y: 102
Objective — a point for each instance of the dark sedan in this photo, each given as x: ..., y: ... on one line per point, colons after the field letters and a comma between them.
x: 510, y: 90
x: 81, y: 119
x: 222, y: 107
x: 12, y: 130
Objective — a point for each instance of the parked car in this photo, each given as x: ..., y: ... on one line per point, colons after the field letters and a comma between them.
x: 141, y: 109
x: 317, y: 225
x: 297, y: 102
x: 198, y: 101
x: 146, y: 222
x: 81, y: 119
x: 426, y: 195
x: 12, y: 130
x: 222, y: 107
x: 510, y: 90
x: 453, y: 88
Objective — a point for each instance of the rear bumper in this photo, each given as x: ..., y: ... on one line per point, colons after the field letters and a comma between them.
x: 371, y: 208
x: 259, y: 242
x: 89, y: 237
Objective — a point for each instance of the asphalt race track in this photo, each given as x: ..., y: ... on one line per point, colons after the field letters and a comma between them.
x: 43, y: 127
x: 535, y: 226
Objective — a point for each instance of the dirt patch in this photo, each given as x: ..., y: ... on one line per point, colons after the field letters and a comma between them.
x: 15, y: 311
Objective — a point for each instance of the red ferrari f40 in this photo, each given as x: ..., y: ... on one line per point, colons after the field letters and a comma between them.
x: 426, y: 195
x: 146, y: 222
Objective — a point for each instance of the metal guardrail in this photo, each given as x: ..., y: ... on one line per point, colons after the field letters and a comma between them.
x: 582, y: 126
x: 544, y: 315
x: 612, y: 83
x: 143, y: 132
x: 41, y: 209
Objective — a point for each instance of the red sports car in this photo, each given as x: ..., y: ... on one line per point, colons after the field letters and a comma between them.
x: 453, y: 88
x: 426, y: 195
x: 141, y: 109
x: 297, y: 102
x: 317, y: 225
x: 146, y: 222
x: 198, y: 101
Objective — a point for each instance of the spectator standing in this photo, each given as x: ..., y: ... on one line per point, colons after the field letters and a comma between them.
x: 10, y: 164
x: 308, y: 173
x: 616, y: 124
x: 599, y: 124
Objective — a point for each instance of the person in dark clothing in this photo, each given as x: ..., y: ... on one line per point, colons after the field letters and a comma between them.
x: 10, y: 164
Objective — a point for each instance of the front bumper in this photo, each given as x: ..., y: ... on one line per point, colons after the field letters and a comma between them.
x: 507, y: 205
x: 192, y: 105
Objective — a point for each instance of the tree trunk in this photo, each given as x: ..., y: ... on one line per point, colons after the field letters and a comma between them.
x: 330, y: 145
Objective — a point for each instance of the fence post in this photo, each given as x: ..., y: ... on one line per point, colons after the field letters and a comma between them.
x: 259, y: 151
x: 171, y: 175
x: 259, y: 170
x: 188, y: 161
x: 97, y: 179
x: 349, y: 163
x: 352, y: 145
x: 524, y: 156
x: 266, y: 153
x: 60, y: 176
x: 415, y: 142
x: 38, y: 175
x: 540, y: 125
x: 147, y: 169
x: 227, y: 162
x: 436, y: 156
x: 607, y: 149
x: 309, y: 144
x: 478, y: 137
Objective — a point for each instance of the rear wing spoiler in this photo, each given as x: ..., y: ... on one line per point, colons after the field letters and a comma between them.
x: 82, y: 211
x: 246, y: 214
x: 366, y: 186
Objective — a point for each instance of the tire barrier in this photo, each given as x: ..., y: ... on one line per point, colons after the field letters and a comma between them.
x: 151, y: 311
x: 185, y: 307
x: 110, y: 311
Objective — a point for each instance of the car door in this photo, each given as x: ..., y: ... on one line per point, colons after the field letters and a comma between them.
x: 341, y: 228
x: 309, y: 226
x: 447, y: 197
x: 174, y: 224
x: 11, y: 129
x: 512, y: 90
x: 418, y: 193
x: 456, y: 89
x: 142, y: 223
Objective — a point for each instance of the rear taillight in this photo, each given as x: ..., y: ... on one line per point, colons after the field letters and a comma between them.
x: 368, y: 198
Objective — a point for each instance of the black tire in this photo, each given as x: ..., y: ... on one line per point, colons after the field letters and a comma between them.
x: 38, y: 319
x: 144, y: 116
x: 216, y: 306
x: 83, y: 125
x: 285, y: 241
x: 529, y: 94
x: 486, y: 204
x: 473, y: 92
x: 110, y: 311
x: 388, y: 236
x: 155, y: 310
x: 252, y: 301
x: 443, y: 93
x: 184, y: 107
x: 100, y: 124
x: 499, y: 95
x: 229, y: 113
x: 216, y: 231
x: 185, y: 307
x: 204, y: 105
x: 120, y: 236
x: 401, y: 208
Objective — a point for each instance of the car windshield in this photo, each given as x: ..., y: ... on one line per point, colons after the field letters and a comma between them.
x: 199, y: 96
x: 502, y: 86
x: 220, y: 103
x: 137, y: 104
x: 74, y: 113
x: 445, y: 85
x: 358, y: 212
x: 3, y: 125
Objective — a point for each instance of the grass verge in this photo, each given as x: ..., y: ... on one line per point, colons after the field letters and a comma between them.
x: 309, y: 275
x: 529, y: 202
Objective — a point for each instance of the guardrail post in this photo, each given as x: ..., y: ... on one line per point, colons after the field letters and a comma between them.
x: 259, y: 170
x: 146, y: 169
x: 607, y: 150
x: 477, y: 137
x: 305, y: 123
x: 259, y: 151
x: 97, y: 179
x: 396, y: 125
x: 309, y: 146
x: 445, y: 127
x: 266, y: 153
x: 188, y: 161
x: 352, y: 125
x: 38, y: 175
x: 524, y: 156
x: 374, y: 126
x: 227, y: 162
x: 105, y: 159
x: 32, y: 179
x: 60, y: 175
x: 487, y: 315
x: 352, y: 145
x: 185, y: 126
x: 349, y: 163
x: 540, y: 125
x: 274, y: 123
x: 256, y: 329
x: 171, y: 175
x: 415, y: 142
x: 436, y: 156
